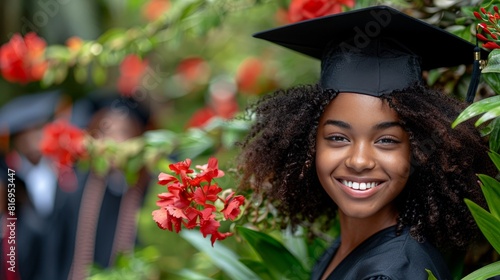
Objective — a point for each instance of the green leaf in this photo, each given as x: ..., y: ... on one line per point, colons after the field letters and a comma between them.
x: 495, y: 157
x: 494, y: 139
x: 478, y: 108
x: 221, y: 256
x: 493, y: 65
x: 280, y: 262
x: 195, y: 143
x: 191, y: 275
x: 431, y: 276
x: 491, y: 114
x: 485, y: 272
x: 493, y: 80
x: 488, y: 224
x: 258, y: 267
x: 491, y: 190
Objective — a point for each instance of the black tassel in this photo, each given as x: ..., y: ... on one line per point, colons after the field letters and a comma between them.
x: 476, y: 75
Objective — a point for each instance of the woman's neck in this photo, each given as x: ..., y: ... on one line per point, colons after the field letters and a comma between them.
x: 353, y: 231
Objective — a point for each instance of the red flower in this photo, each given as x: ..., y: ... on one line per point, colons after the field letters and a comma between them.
x: 63, y: 142
x: 132, y: 69
x: 207, y: 193
x: 232, y: 206
x: 209, y: 172
x: 201, y: 117
x: 155, y: 8
x: 255, y: 77
x: 489, y: 28
x: 307, y: 9
x: 193, y: 72
x: 192, y: 202
x: 491, y: 45
x: 22, y: 59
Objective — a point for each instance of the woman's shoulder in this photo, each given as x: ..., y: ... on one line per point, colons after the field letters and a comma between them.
x: 386, y: 255
x: 400, y: 257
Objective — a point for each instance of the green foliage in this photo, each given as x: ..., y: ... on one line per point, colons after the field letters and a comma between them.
x: 488, y: 222
x: 270, y: 258
x: 223, y: 257
x: 274, y: 255
x: 138, y: 265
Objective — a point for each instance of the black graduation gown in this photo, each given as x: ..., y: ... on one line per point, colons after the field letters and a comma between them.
x: 385, y: 256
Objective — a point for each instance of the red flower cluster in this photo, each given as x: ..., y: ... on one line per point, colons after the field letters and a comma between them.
x: 63, y: 142
x: 22, y: 59
x: 489, y: 28
x: 132, y: 69
x: 300, y: 10
x: 192, y: 200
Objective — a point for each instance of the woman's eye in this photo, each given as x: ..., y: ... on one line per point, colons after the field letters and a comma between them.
x: 388, y: 140
x: 337, y: 138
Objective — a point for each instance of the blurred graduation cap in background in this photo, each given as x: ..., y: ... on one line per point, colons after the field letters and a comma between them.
x: 104, y: 99
x: 375, y: 50
x: 28, y: 111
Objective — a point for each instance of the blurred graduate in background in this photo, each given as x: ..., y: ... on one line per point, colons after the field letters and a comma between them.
x: 67, y: 224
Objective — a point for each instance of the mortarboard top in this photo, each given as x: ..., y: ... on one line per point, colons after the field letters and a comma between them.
x: 373, y: 50
x: 28, y: 111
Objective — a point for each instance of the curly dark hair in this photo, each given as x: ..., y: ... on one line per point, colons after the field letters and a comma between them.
x: 278, y: 161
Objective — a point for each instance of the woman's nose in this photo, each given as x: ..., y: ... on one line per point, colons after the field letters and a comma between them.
x: 360, y: 157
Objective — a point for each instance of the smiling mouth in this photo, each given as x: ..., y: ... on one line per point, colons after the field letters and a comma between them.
x: 359, y: 186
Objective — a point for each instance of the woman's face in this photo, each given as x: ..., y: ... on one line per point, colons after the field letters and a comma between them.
x: 362, y: 155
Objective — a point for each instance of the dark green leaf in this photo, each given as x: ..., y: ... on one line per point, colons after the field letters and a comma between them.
x: 494, y: 140
x: 491, y: 190
x: 493, y: 80
x: 281, y: 263
x: 259, y: 268
x: 493, y: 65
x: 487, y: 223
x: 495, y: 157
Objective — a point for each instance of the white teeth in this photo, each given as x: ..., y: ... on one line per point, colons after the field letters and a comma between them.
x: 359, y: 186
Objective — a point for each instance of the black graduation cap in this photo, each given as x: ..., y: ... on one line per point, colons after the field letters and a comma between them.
x: 373, y: 50
x: 28, y: 111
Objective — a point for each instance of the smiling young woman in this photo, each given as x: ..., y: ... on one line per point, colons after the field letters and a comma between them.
x: 369, y: 146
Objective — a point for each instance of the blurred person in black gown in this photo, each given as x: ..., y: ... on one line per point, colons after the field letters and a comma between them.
x: 44, y: 211
x: 107, y: 215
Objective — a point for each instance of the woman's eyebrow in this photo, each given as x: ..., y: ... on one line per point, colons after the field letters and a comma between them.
x: 338, y: 123
x: 385, y: 125
x: 378, y: 126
